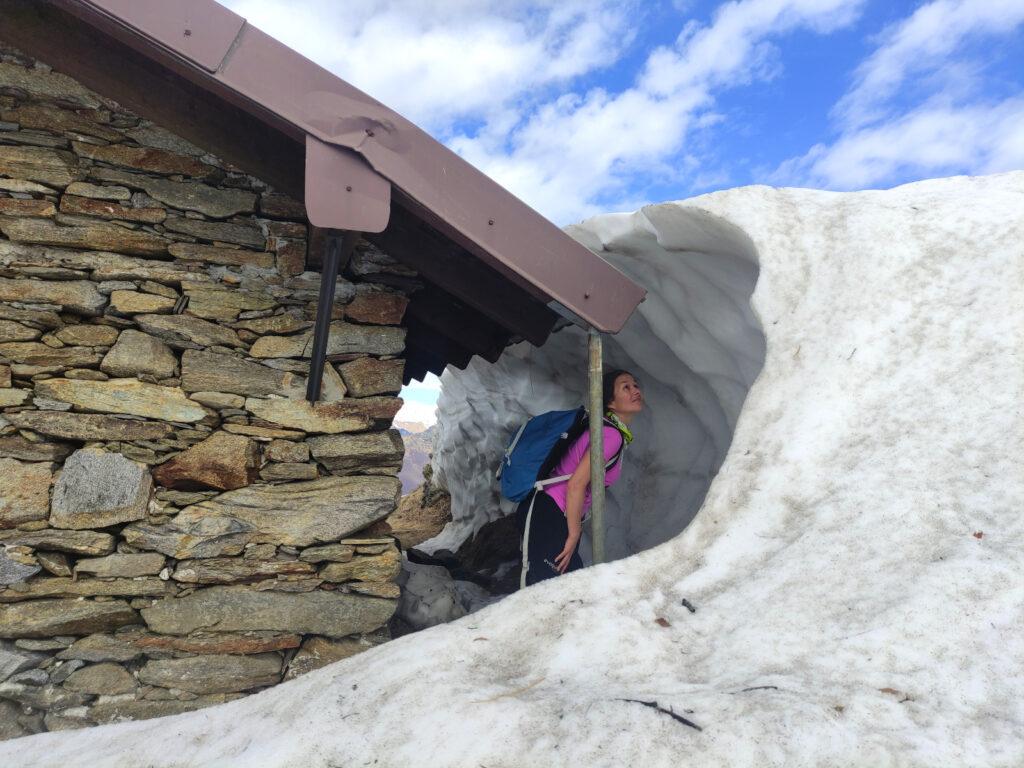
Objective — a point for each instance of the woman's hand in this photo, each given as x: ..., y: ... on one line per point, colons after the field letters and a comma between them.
x: 574, y: 493
x: 562, y: 558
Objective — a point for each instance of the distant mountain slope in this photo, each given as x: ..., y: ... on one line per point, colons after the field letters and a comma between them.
x: 418, y: 447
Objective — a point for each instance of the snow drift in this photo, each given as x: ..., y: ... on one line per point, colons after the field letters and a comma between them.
x: 855, y: 569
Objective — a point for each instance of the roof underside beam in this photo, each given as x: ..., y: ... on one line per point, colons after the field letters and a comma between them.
x: 454, y: 269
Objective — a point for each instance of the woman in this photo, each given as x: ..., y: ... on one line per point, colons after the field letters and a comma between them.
x: 559, y: 510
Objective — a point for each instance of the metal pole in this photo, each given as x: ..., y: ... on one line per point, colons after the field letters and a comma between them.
x: 336, y: 249
x: 596, y: 447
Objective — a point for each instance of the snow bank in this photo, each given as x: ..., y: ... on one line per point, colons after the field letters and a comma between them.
x: 856, y: 566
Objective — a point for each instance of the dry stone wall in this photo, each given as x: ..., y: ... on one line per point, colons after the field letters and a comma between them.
x: 178, y: 526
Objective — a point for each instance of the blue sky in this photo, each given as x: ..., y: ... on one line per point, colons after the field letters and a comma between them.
x: 585, y: 106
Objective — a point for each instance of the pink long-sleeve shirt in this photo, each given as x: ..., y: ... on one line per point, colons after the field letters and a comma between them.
x: 559, y: 491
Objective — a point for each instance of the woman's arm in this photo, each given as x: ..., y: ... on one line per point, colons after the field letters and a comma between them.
x: 574, y: 495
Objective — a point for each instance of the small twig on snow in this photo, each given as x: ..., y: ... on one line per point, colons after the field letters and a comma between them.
x: 688, y: 606
x: 759, y: 688
x: 669, y: 712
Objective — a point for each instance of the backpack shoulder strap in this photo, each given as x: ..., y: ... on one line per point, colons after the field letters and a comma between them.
x: 622, y: 446
x: 541, y: 484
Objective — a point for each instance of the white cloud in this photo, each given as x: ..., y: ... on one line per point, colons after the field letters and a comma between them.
x: 914, y: 110
x: 920, y: 44
x: 930, y: 140
x: 422, y: 413
x: 420, y: 400
x: 438, y: 61
x: 500, y: 81
x: 580, y: 153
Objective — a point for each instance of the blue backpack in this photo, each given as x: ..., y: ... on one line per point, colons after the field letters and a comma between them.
x: 537, y: 448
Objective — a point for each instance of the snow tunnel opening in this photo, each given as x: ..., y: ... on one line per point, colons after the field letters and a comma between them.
x: 695, y: 344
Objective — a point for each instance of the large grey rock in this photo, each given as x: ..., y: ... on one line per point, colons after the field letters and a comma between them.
x: 127, y: 303
x: 70, y: 719
x: 26, y: 690
x: 197, y: 536
x: 344, y: 339
x: 49, y: 166
x: 138, y: 353
x: 228, y: 570
x: 105, y: 266
x: 217, y: 642
x: 223, y: 461
x: 18, y: 447
x: 105, y: 647
x: 383, y: 567
x: 211, y: 372
x: 46, y: 618
x: 64, y: 587
x: 149, y: 135
x: 10, y: 728
x: 89, y: 426
x: 97, y: 489
x: 47, y: 86
x: 54, y: 562
x: 332, y: 553
x: 356, y: 453
x: 88, y: 335
x: 370, y: 376
x: 300, y: 514
x: 187, y: 332
x: 121, y: 565
x: 213, y: 674
x: 318, y: 652
x: 12, y: 331
x: 235, y: 609
x: 220, y: 231
x: 212, y: 254
x: 73, y: 542
x: 100, y: 236
x: 14, y: 659
x: 11, y: 397
x: 117, y: 709
x: 127, y: 396
x: 24, y: 492
x: 147, y: 159
x: 102, y: 679
x: 15, y: 571
x: 78, y: 296
x: 348, y: 415
x: 38, y: 354
x: 225, y: 305
x: 308, y: 417
x: 194, y: 196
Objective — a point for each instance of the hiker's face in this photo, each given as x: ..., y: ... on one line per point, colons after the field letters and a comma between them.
x: 628, y: 397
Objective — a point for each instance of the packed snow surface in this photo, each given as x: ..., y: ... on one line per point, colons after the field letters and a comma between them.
x: 856, y: 566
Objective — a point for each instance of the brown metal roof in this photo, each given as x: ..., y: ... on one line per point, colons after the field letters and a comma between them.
x: 204, y: 72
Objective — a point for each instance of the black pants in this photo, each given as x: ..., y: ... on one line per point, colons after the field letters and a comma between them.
x: 548, y: 531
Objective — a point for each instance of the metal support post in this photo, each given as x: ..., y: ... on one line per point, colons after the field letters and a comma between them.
x: 337, y: 250
x: 596, y: 370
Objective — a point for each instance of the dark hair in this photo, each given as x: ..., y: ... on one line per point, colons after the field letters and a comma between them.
x: 608, y: 384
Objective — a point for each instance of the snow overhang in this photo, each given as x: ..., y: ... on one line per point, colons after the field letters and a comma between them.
x: 496, y: 271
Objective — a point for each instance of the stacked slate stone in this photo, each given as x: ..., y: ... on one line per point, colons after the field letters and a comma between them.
x: 178, y: 526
